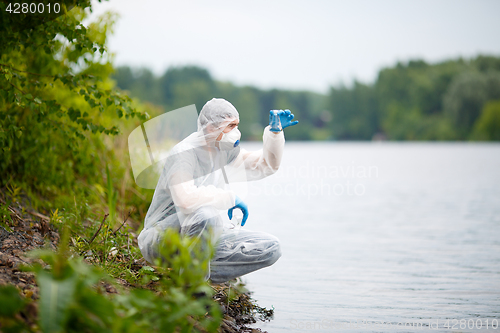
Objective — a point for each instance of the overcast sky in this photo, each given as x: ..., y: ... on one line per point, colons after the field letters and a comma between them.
x: 299, y: 44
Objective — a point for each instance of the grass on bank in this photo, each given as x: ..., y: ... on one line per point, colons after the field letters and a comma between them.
x: 156, y: 298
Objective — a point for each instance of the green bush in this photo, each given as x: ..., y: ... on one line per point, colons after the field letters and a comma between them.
x: 72, y: 301
x: 487, y: 126
x: 57, y: 100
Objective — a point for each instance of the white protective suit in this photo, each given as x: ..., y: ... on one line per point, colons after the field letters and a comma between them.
x: 191, y: 194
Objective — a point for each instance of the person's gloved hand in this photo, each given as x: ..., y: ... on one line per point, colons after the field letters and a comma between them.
x: 241, y: 205
x: 285, y: 117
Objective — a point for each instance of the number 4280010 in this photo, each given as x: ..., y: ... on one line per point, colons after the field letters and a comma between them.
x: 471, y: 324
x: 33, y: 8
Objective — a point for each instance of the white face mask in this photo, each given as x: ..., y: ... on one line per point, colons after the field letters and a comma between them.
x: 229, y: 140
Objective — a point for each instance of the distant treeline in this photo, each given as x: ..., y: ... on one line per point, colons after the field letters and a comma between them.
x: 452, y: 100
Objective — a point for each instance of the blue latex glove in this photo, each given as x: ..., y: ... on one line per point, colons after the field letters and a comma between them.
x: 285, y: 118
x: 241, y: 205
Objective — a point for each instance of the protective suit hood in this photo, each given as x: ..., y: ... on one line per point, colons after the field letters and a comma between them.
x: 214, y: 117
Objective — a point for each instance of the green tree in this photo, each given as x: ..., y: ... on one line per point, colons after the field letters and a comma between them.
x: 124, y: 77
x: 431, y: 101
x: 354, y: 112
x: 487, y: 126
x: 56, y: 98
x: 245, y: 100
x: 181, y: 86
x: 139, y: 82
x: 401, y: 123
x: 466, y: 97
x: 487, y: 63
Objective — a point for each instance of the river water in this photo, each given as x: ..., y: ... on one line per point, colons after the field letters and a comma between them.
x: 381, y: 237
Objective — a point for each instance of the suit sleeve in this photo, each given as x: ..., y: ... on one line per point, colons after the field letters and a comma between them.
x: 255, y: 165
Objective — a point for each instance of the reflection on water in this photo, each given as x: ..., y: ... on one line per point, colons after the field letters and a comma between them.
x: 416, y: 240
